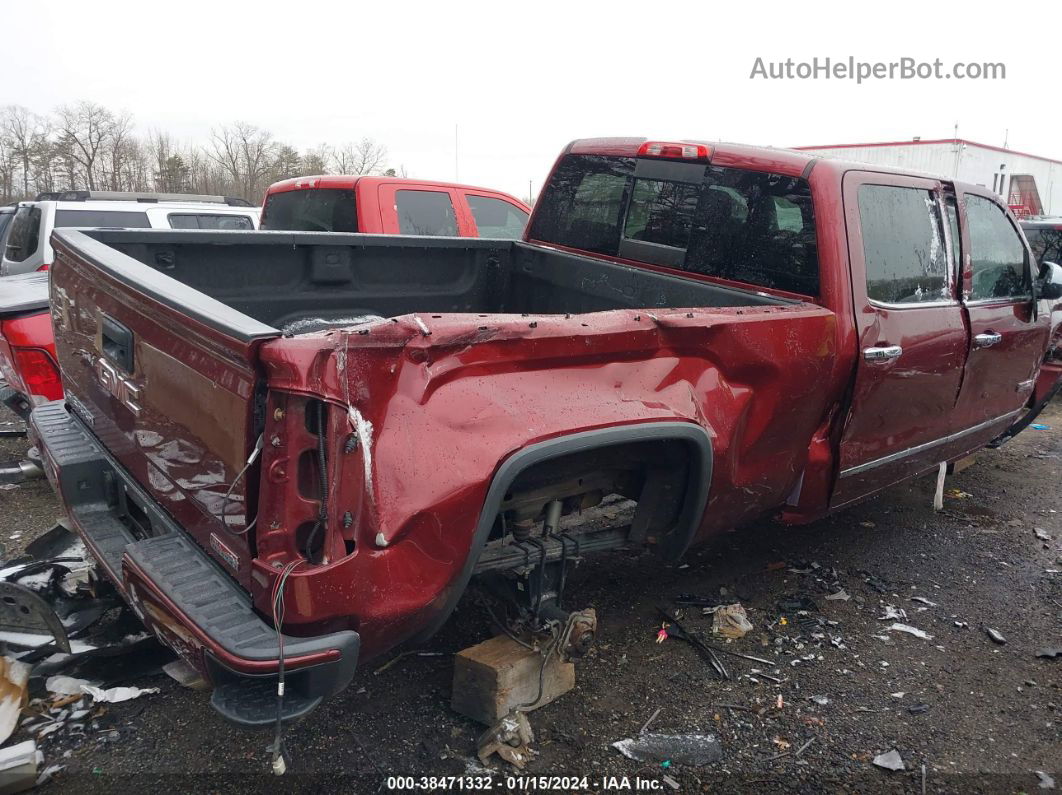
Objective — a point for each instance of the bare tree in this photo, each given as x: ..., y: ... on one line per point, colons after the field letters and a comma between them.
x: 22, y: 128
x: 119, y: 139
x: 316, y: 160
x: 363, y: 157
x: 85, y: 129
x: 245, y: 153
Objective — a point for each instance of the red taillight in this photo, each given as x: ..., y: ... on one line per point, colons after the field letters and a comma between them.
x: 43, y: 267
x: 38, y: 373
x: 677, y: 151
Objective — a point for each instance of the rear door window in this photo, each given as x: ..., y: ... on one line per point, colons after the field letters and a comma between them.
x: 497, y: 218
x: 311, y: 210
x: 997, y: 255
x: 903, y: 245
x: 746, y: 226
x: 198, y: 221
x: 425, y: 212
x: 25, y: 234
x: 121, y: 218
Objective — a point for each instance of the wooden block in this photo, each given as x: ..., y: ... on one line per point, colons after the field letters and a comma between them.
x: 493, y: 677
x: 962, y: 463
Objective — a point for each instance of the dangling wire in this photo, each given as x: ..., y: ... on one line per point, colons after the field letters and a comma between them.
x: 239, y: 476
x: 277, y: 601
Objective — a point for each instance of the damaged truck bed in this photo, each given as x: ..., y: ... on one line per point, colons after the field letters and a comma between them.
x: 362, y: 424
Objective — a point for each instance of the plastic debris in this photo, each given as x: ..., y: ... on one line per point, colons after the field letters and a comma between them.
x: 958, y: 494
x: 898, y: 694
x: 671, y: 782
x: 1046, y: 782
x: 679, y: 749
x: 995, y: 635
x: 1039, y: 426
x: 509, y: 738
x: 731, y: 621
x: 14, y: 677
x: 892, y: 612
x: 890, y: 760
x: 918, y: 709
x: 115, y: 695
x: 1050, y: 652
x: 822, y: 701
x: 840, y: 596
x: 184, y: 674
x: 1042, y: 534
x: 909, y: 630
x: 66, y: 685
x: 47, y: 773
x: 923, y: 600
x: 18, y: 766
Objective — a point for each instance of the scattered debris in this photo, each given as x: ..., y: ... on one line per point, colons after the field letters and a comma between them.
x: 676, y: 630
x: 18, y: 766
x: 47, y: 773
x: 652, y: 717
x: 890, y: 760
x: 822, y: 701
x: 892, y: 612
x: 731, y: 621
x: 671, y: 782
x: 1039, y: 426
x: 840, y: 596
x: 898, y: 694
x: 918, y: 709
x: 402, y: 656
x: 995, y: 635
x: 1042, y: 534
x: 797, y: 604
x: 1050, y: 652
x: 115, y: 695
x: 1046, y: 782
x: 962, y: 624
x: 804, y: 747
x: 66, y: 685
x: 509, y: 738
x: 923, y: 600
x: 876, y: 583
x: 958, y: 494
x: 14, y: 677
x: 679, y: 749
x: 909, y: 630
x: 867, y: 523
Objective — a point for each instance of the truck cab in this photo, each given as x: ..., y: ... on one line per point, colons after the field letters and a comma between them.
x: 392, y: 206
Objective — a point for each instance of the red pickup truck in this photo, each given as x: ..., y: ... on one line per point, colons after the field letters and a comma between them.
x: 373, y: 205
x: 362, y: 424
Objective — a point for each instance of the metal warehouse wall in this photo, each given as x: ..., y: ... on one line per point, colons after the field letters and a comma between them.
x: 965, y: 161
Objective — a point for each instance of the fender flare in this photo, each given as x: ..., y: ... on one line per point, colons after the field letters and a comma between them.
x: 699, y: 481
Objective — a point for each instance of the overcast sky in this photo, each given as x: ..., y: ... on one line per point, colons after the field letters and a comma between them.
x: 519, y: 80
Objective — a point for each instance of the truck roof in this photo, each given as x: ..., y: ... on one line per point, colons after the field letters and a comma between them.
x: 788, y: 162
x: 350, y: 181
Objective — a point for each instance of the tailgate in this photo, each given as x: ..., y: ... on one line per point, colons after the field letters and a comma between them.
x: 166, y: 379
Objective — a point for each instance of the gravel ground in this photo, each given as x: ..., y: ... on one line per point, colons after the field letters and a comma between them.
x: 965, y: 714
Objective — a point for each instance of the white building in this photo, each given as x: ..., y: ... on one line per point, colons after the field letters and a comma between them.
x: 1031, y: 184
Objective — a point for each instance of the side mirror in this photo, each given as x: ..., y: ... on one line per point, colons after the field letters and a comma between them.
x: 1050, y: 281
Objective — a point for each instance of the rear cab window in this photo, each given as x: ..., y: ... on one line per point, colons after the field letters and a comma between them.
x: 753, y: 227
x: 25, y: 234
x: 496, y: 218
x: 209, y: 221
x: 425, y: 212
x: 87, y: 217
x: 311, y: 210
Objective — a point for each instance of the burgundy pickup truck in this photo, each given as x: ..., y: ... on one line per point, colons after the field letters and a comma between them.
x: 361, y: 424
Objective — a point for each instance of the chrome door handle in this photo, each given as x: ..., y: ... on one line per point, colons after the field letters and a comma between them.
x: 988, y: 339
x: 882, y: 354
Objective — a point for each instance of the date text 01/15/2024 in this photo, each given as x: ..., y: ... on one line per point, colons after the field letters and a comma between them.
x: 520, y: 783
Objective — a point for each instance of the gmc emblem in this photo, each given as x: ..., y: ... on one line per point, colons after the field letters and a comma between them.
x: 123, y: 389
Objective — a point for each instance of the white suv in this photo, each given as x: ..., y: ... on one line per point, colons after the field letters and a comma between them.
x: 28, y: 247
